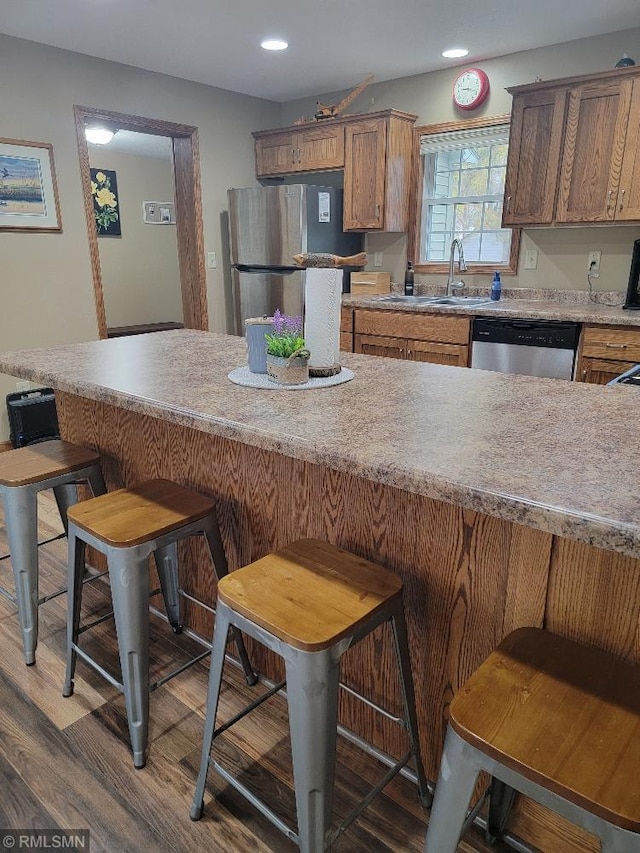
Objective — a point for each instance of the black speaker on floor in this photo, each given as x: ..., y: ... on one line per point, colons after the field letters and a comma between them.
x: 32, y: 416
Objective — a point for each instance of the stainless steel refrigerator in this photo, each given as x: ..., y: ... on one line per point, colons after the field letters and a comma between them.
x: 267, y: 227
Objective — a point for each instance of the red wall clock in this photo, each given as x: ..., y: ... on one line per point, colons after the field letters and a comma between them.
x: 470, y: 89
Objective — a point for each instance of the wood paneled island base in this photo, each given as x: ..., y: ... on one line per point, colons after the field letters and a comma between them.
x: 469, y: 578
x: 501, y: 501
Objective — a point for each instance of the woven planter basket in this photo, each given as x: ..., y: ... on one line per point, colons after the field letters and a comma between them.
x: 288, y: 371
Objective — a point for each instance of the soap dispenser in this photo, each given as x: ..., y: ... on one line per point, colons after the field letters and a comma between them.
x: 408, y: 280
x: 496, y: 287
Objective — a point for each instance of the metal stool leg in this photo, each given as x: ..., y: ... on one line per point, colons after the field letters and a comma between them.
x: 216, y: 664
x: 129, y: 575
x: 312, y: 695
x: 21, y: 519
x: 167, y: 564
x: 454, y: 788
x: 66, y: 496
x: 401, y: 642
x: 96, y: 481
x: 214, y: 541
x: 74, y: 604
x: 501, y: 798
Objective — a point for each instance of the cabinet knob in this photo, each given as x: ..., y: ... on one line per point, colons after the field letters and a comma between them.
x: 293, y: 155
x: 377, y: 211
x: 299, y: 158
x: 584, y: 375
x: 622, y: 192
x: 508, y: 204
x: 616, y: 346
x: 609, y: 197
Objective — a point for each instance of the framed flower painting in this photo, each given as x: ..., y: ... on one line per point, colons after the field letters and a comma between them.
x: 106, y: 210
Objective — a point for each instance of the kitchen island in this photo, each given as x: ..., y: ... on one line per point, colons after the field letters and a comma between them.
x: 500, y: 500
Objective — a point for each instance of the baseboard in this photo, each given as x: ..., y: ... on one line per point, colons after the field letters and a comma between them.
x: 5, y: 445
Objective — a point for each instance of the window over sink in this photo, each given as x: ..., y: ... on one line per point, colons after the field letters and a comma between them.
x: 460, y: 196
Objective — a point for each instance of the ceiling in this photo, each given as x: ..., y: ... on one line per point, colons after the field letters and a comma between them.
x: 333, y: 44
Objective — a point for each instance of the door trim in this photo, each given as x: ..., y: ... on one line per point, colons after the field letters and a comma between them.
x: 186, y: 174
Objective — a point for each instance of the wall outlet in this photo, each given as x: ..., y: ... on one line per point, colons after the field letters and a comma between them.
x: 531, y: 259
x: 212, y: 261
x: 593, y: 263
x: 377, y: 259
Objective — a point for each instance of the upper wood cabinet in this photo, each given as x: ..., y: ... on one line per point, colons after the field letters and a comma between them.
x: 573, y: 152
x: 309, y: 150
x: 375, y: 151
x: 377, y: 173
x: 537, y: 121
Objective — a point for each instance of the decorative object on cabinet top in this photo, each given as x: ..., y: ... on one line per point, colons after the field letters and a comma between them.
x: 324, y: 259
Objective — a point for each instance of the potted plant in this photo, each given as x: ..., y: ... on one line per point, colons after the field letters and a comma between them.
x: 287, y: 356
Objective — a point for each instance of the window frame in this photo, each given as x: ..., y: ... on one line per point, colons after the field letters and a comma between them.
x: 511, y: 268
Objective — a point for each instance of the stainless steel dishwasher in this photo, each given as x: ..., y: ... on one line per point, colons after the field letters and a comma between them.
x: 531, y: 347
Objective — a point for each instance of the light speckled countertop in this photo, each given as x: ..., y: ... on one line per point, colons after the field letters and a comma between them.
x: 540, y: 308
x: 555, y: 455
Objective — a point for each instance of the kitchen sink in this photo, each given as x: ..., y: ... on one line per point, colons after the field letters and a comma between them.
x: 411, y: 300
x: 436, y: 300
x: 462, y: 300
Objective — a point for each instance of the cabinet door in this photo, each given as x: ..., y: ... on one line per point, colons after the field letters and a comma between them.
x: 364, y: 175
x: 629, y: 192
x: 453, y: 354
x: 276, y: 154
x: 599, y: 371
x: 593, y: 151
x: 379, y: 345
x: 346, y: 341
x: 320, y: 148
x: 537, y: 121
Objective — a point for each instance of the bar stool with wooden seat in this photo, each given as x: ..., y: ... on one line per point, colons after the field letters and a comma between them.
x: 128, y: 526
x: 555, y: 720
x: 309, y: 603
x: 25, y: 471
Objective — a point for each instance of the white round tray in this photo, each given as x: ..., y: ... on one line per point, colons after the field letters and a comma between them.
x: 243, y: 376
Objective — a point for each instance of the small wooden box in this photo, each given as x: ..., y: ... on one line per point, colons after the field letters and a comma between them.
x: 370, y: 283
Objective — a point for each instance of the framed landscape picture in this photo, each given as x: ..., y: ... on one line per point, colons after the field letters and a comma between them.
x: 106, y: 210
x: 28, y: 189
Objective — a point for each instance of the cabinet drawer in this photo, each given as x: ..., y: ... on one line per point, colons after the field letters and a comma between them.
x: 425, y: 327
x: 618, y: 344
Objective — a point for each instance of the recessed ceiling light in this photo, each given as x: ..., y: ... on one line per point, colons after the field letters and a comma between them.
x: 98, y: 135
x: 274, y: 44
x: 455, y: 53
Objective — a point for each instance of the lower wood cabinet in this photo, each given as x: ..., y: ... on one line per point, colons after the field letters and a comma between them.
x: 415, y: 337
x: 606, y: 352
x: 346, y: 329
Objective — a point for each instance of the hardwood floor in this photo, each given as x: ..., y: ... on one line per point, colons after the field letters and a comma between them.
x: 65, y: 763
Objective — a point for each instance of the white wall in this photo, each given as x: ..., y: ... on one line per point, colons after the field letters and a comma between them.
x: 47, y: 289
x: 562, y: 259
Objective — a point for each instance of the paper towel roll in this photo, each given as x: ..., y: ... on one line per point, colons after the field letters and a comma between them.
x: 322, y: 301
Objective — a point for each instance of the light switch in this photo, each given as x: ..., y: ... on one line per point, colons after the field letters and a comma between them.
x: 212, y: 262
x: 377, y: 259
x: 531, y: 259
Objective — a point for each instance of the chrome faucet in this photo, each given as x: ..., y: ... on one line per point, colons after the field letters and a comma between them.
x: 452, y: 284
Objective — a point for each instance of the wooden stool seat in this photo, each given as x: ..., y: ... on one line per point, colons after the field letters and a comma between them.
x: 129, y: 517
x: 26, y: 465
x: 551, y: 719
x: 309, y: 594
x: 309, y: 603
x: 564, y: 715
x: 128, y: 526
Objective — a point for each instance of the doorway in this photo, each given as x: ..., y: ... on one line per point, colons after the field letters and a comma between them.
x: 188, y: 208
